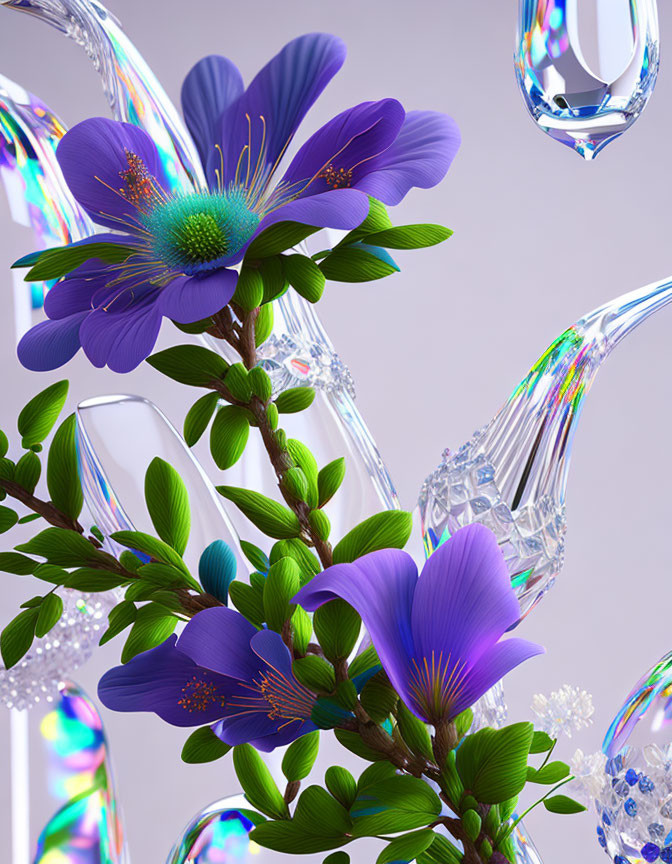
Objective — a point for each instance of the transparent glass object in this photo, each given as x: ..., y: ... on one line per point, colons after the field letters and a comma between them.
x: 512, y: 474
x: 117, y: 439
x: 565, y: 98
x: 634, y: 807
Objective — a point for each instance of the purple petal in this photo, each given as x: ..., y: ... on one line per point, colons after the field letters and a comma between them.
x: 187, y: 299
x: 166, y: 682
x: 345, y: 146
x: 380, y: 587
x: 93, y: 156
x: 50, y: 344
x: 208, y: 90
x: 269, y: 646
x: 121, y: 340
x: 283, y: 736
x: 240, y: 725
x: 496, y: 662
x: 464, y: 601
x: 421, y: 156
x: 281, y: 94
x: 343, y: 209
x: 219, y: 639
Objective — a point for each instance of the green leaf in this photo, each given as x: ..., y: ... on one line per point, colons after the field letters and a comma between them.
x: 89, y: 580
x: 257, y: 782
x: 63, y: 481
x: 463, y: 722
x: 302, y: 630
x: 249, y: 291
x: 269, y: 516
x: 277, y: 238
x: 255, y: 556
x: 8, y: 519
x: 203, y: 746
x: 56, y: 262
x: 549, y: 775
x: 315, y: 674
x: 121, y: 617
x: 152, y: 626
x: 348, y: 264
x: 298, y: 761
x: 414, y: 731
x: 260, y: 383
x: 196, y: 327
x: 168, y: 504
x: 305, y: 460
x: 409, y: 236
x: 36, y: 420
x: 407, y: 847
x: 472, y: 822
x: 320, y: 524
x: 28, y: 470
x: 304, y: 276
x: 263, y: 326
x: 337, y: 858
x: 64, y: 547
x: 492, y: 764
x: 342, y: 785
x: 563, y: 805
x: 441, y: 851
x: 337, y: 627
x: 541, y: 742
x: 151, y: 546
x: 400, y: 803
x: 6, y: 469
x: 248, y: 602
x: 275, y: 283
x: 190, y: 364
x: 352, y: 742
x: 17, y: 637
x: 388, y: 530
x: 12, y: 562
x: 236, y: 379
x: 198, y: 417
x: 308, y: 563
x: 364, y: 662
x: 377, y: 220
x: 329, y: 480
x: 49, y: 615
x: 282, y: 583
x: 4, y: 444
x: 379, y: 698
x: 228, y: 436
x: 295, y: 399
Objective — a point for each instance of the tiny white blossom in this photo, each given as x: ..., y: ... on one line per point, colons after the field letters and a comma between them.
x: 590, y: 779
x: 565, y: 711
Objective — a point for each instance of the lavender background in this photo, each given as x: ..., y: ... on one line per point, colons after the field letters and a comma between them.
x: 540, y: 237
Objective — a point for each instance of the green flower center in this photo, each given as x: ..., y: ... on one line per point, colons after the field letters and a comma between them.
x: 200, y: 238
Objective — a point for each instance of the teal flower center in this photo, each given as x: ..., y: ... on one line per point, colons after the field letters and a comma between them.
x: 201, y: 231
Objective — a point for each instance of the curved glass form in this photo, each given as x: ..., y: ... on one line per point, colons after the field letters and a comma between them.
x: 634, y: 806
x: 512, y: 474
x: 219, y: 835
x: 117, y: 438
x: 565, y: 98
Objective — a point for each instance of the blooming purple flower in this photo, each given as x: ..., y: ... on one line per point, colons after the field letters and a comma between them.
x: 220, y: 671
x: 437, y: 635
x: 183, y: 246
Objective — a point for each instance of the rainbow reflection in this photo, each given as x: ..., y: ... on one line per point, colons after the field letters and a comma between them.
x: 86, y: 829
x: 219, y: 835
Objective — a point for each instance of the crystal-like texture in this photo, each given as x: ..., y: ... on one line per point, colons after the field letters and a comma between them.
x: 565, y: 98
x: 86, y: 828
x: 512, y: 474
x: 564, y: 712
x: 219, y: 834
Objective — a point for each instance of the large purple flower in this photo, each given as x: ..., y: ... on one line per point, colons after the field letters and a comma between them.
x: 221, y: 671
x: 437, y: 635
x: 182, y: 246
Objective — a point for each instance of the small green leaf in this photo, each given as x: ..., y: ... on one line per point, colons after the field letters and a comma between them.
x: 37, y: 419
x: 304, y: 276
x: 549, y: 775
x: 302, y: 629
x: 263, y: 326
x: 56, y: 262
x: 28, y: 470
x: 8, y: 519
x: 275, y: 283
x: 255, y: 556
x: 337, y: 628
x: 4, y: 444
x: 248, y: 602
x: 282, y: 583
x: 17, y: 637
x: 315, y: 674
x: 12, y: 562
x: 400, y: 803
x: 168, y: 504
x: 257, y: 782
x: 352, y: 742
x: 88, y: 580
x: 463, y: 722
x: 277, y: 238
x: 294, y: 400
x: 320, y: 823
x: 342, y: 785
x: 190, y: 364
x: 49, y: 615
x: 414, y: 731
x: 260, y: 383
x: 472, y: 822
x: 63, y: 481
x: 406, y: 848
x: 329, y: 480
x: 377, y: 220
x: 269, y: 516
x: 492, y: 764
x: 249, y: 291
x: 379, y: 698
x: 65, y: 548
x: 308, y: 563
x: 388, y: 530
x: 236, y: 379
x: 305, y: 460
x: 151, y: 546
x: 563, y: 805
x: 195, y: 328
x: 198, y: 417
x: 228, y: 436
x: 337, y: 858
x: 541, y: 742
x: 409, y: 236
x: 319, y: 524
x: 298, y: 761
x: 203, y: 746
x: 349, y: 264
x: 364, y: 662
x: 152, y: 626
x: 121, y: 617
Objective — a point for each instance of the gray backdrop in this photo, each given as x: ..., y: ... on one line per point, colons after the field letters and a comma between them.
x: 540, y: 238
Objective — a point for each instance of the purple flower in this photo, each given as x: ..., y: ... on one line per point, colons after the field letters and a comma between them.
x: 183, y: 246
x: 437, y: 635
x: 221, y: 671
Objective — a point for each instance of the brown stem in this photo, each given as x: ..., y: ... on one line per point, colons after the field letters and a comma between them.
x: 292, y: 790
x: 46, y: 509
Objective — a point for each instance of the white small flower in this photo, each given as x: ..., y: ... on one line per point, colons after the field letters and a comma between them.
x: 565, y: 711
x: 590, y: 779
